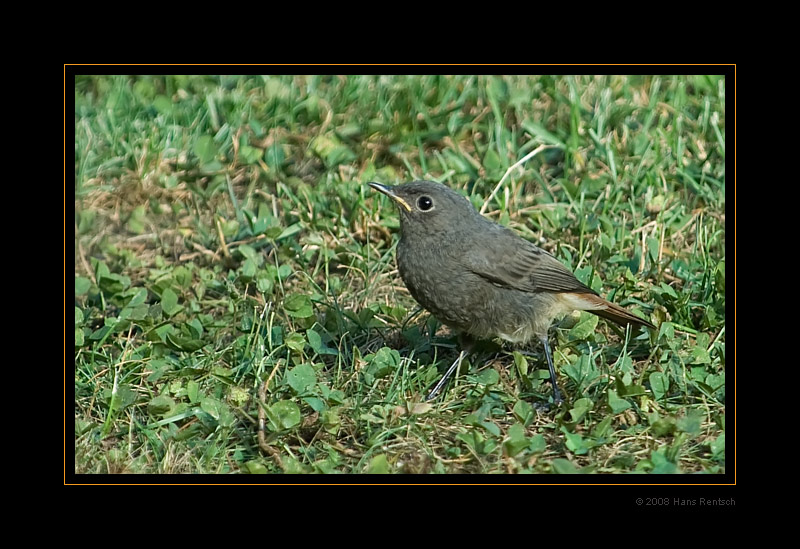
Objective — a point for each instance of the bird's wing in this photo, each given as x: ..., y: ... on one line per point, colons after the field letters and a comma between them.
x: 508, y: 260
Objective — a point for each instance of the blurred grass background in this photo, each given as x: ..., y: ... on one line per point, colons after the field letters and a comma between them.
x: 238, y: 309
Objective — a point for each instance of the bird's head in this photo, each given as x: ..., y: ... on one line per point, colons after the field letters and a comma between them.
x: 428, y: 208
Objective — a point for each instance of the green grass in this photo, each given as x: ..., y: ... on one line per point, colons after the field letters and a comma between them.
x: 228, y: 251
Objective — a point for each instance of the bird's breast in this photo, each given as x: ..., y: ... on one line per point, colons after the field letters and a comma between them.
x: 434, y: 278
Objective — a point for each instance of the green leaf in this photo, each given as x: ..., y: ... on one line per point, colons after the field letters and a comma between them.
x: 719, y: 277
x: 667, y: 329
x: 194, y: 328
x: 490, y: 427
x: 625, y: 367
x: 488, y: 377
x: 579, y: 409
x: 564, y: 467
x: 575, y: 442
x: 298, y: 306
x: 715, y: 381
x: 101, y: 270
x: 521, y: 363
x: 211, y: 406
x: 315, y: 342
x: 274, y: 156
x: 284, y: 414
x: 78, y: 317
x: 582, y: 369
x: 629, y: 390
x: 112, y: 283
x: 192, y: 390
x: 169, y: 302
x: 601, y: 429
x: 538, y: 444
x: 205, y: 149
x: 248, y: 270
x: 248, y: 251
x: 284, y: 271
x: 295, y: 341
x: 264, y: 284
x: 661, y: 464
x: 523, y: 411
x: 381, y: 364
x: 182, y: 276
x: 492, y: 162
x: 137, y: 221
x: 331, y: 421
x: 138, y: 298
x: 516, y: 441
x: 293, y: 467
x: 218, y: 410
x: 653, y: 245
x: 160, y: 333
x: 82, y: 285
x: 718, y: 446
x: 250, y: 155
x: 291, y: 230
x: 256, y: 468
x: 162, y: 104
x: 617, y: 404
x: 537, y: 130
x: 691, y: 422
x: 331, y: 150
x: 379, y: 465
x: 79, y: 337
x: 86, y: 221
x: 301, y: 378
x: 661, y: 426
x: 585, y: 326
x: 659, y: 383
x: 184, y: 344
x: 474, y: 440
x: 668, y: 290
x: 161, y: 405
x: 100, y: 333
x: 273, y: 232
x: 700, y: 356
x: 316, y: 403
x: 124, y: 397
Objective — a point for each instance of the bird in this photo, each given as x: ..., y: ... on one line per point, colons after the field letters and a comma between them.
x: 483, y: 279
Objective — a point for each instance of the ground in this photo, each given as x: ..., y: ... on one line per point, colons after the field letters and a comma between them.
x: 238, y: 307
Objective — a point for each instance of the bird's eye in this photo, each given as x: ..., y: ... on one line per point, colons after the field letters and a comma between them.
x: 424, y: 203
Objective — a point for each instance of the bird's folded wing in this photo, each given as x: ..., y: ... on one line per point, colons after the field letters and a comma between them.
x: 523, y: 267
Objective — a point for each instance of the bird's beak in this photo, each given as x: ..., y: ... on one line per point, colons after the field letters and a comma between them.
x: 388, y: 192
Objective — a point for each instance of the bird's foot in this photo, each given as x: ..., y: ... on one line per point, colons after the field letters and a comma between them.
x: 543, y: 407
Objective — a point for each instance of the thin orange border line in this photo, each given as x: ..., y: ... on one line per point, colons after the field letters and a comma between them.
x: 65, y: 273
x: 402, y: 64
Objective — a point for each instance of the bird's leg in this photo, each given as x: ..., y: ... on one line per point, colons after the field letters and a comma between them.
x: 446, y: 375
x: 556, y: 394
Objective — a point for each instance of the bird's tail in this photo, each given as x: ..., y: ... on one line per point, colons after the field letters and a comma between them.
x: 605, y: 309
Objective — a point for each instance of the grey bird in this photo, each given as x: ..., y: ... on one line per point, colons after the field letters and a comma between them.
x: 483, y: 279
